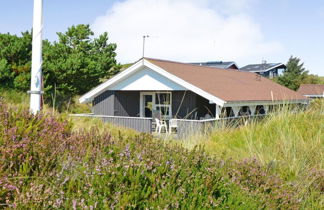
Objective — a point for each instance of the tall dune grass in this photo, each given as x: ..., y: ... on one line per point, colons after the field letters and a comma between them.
x: 14, y: 97
x: 20, y: 98
x: 86, y: 124
x: 287, y: 143
x: 291, y: 142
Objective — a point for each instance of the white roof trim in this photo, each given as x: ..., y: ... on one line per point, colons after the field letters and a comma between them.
x: 250, y: 103
x: 99, y: 89
x: 317, y: 95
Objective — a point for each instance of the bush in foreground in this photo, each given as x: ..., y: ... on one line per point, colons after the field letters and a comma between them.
x: 46, y: 165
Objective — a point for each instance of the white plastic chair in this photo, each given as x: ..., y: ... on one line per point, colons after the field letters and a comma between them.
x: 172, y: 124
x: 159, y: 125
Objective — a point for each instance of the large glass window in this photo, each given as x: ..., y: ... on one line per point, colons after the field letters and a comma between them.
x: 162, y: 98
x: 156, y: 105
x: 163, y: 104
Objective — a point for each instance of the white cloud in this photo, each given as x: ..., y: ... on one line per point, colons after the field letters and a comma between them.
x: 184, y: 30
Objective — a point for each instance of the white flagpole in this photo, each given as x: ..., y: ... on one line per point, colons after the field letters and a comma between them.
x: 36, y: 72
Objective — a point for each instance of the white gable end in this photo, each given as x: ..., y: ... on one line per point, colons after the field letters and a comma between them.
x: 145, y: 76
x: 146, y: 79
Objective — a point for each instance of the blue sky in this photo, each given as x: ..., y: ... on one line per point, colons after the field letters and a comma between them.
x: 246, y: 31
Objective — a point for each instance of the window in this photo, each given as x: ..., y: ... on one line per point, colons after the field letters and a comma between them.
x: 156, y: 105
x: 163, y: 104
x: 162, y: 99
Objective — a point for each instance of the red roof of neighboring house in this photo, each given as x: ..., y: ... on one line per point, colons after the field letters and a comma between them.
x: 229, y: 85
x: 311, y: 89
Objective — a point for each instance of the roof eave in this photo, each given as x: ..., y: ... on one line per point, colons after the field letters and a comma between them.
x: 89, y: 96
x: 266, y: 102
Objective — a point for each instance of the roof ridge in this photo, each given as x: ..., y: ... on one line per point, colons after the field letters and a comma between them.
x: 215, y: 62
x: 163, y: 60
x: 189, y: 64
x: 262, y: 63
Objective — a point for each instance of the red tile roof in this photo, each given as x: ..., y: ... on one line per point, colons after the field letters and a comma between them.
x: 229, y: 85
x: 311, y: 89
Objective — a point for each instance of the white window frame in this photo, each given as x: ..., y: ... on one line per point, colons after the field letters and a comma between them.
x: 163, y: 105
x: 154, y: 105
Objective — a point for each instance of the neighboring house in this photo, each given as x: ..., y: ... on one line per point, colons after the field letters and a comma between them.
x: 219, y: 64
x: 312, y: 90
x: 269, y: 70
x: 152, y: 87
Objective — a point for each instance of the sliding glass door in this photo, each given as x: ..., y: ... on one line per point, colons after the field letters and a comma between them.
x: 163, y: 104
x: 147, y: 105
x: 156, y: 104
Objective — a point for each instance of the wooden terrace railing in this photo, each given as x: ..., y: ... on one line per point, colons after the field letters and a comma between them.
x: 185, y: 127
x: 141, y: 124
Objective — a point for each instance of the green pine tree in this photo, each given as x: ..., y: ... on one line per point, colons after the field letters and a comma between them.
x: 73, y: 65
x: 294, y: 75
x: 77, y: 62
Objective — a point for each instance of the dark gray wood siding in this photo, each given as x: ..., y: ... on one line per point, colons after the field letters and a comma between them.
x: 127, y: 103
x: 189, y: 105
x: 117, y: 103
x: 185, y: 104
x: 204, y: 107
x: 103, y: 104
